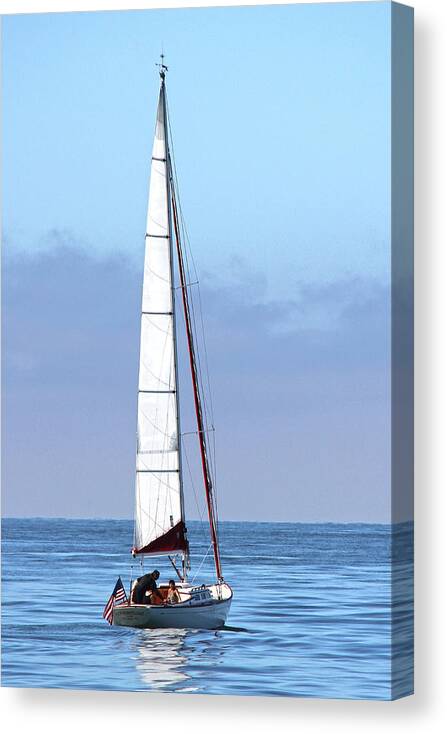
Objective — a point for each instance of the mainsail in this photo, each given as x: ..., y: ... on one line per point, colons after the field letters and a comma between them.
x: 159, y: 520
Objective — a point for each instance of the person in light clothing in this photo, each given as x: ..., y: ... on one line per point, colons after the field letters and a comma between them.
x: 172, y: 597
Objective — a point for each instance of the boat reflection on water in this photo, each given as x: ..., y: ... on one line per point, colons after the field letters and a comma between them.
x: 173, y: 659
x: 160, y: 661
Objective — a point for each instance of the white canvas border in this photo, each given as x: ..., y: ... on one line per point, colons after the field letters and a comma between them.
x: 70, y: 711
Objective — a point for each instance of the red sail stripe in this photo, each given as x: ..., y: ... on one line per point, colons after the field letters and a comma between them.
x: 173, y: 540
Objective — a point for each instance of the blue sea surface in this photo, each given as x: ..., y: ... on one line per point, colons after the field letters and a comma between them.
x: 319, y: 610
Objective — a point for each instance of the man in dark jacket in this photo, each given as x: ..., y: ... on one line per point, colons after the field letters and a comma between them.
x: 148, y: 582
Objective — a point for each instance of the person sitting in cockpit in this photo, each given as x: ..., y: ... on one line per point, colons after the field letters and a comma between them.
x: 145, y: 590
x: 172, y: 597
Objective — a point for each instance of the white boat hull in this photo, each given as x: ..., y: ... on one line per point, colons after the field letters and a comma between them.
x: 192, y: 613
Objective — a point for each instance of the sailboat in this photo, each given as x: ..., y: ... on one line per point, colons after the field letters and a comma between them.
x: 160, y: 526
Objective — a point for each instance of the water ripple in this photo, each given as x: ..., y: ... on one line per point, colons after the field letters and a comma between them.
x: 318, y: 611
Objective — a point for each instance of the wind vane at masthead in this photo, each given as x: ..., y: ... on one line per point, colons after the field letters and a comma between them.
x: 162, y: 66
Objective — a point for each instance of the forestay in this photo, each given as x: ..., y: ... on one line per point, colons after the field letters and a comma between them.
x: 159, y: 525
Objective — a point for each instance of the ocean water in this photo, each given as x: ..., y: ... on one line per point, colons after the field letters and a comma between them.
x: 319, y: 610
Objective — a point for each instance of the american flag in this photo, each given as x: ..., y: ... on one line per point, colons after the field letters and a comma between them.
x: 117, y: 597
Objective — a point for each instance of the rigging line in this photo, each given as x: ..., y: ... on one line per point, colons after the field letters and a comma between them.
x: 212, y: 456
x: 168, y: 495
x: 209, y: 413
x: 163, y: 362
x: 155, y: 523
x: 203, y: 561
x: 192, y: 302
x: 195, y: 433
x: 187, y: 285
x: 200, y: 308
x: 157, y: 275
x: 206, y: 353
x: 202, y: 522
x: 163, y: 416
x: 135, y: 514
x: 200, y: 386
x: 151, y: 519
x: 182, y: 219
x: 203, y: 393
x: 157, y: 503
x: 205, y: 397
x: 206, y: 403
x: 197, y: 402
x: 156, y: 326
x: 199, y: 357
x: 157, y: 476
x: 177, y: 188
x: 156, y: 222
x: 152, y: 374
x: 166, y: 504
x: 188, y: 252
x: 166, y: 435
x: 214, y: 463
x: 206, y: 394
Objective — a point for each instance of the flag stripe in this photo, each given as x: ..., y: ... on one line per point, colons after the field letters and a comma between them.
x: 118, y: 595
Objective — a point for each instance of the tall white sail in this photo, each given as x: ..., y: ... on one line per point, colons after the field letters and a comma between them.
x: 159, y: 526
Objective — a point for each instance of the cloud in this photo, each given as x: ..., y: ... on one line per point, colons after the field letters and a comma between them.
x: 300, y: 390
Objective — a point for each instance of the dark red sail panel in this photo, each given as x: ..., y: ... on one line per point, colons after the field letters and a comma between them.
x: 173, y: 540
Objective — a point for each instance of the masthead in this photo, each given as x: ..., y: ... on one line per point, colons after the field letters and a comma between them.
x: 162, y: 68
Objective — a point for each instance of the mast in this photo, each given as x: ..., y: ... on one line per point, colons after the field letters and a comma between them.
x: 163, y: 70
x: 196, y: 391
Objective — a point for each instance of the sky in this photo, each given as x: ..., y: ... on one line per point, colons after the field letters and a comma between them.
x: 281, y: 128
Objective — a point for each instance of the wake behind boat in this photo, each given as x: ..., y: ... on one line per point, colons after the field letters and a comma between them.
x: 160, y: 529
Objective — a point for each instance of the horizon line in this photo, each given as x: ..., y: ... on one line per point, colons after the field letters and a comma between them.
x: 258, y: 522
